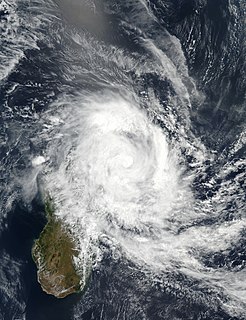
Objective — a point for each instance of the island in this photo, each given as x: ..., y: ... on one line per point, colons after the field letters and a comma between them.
x: 54, y: 253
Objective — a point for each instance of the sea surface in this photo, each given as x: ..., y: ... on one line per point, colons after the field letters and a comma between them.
x: 131, y: 115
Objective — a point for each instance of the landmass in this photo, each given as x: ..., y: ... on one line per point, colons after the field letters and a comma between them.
x: 54, y: 252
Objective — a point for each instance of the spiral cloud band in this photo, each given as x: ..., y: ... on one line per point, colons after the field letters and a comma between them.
x: 120, y: 168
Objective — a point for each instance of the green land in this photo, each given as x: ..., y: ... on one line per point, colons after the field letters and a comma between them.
x: 54, y: 252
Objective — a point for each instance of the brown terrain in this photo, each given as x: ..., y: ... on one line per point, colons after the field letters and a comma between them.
x: 53, y: 254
